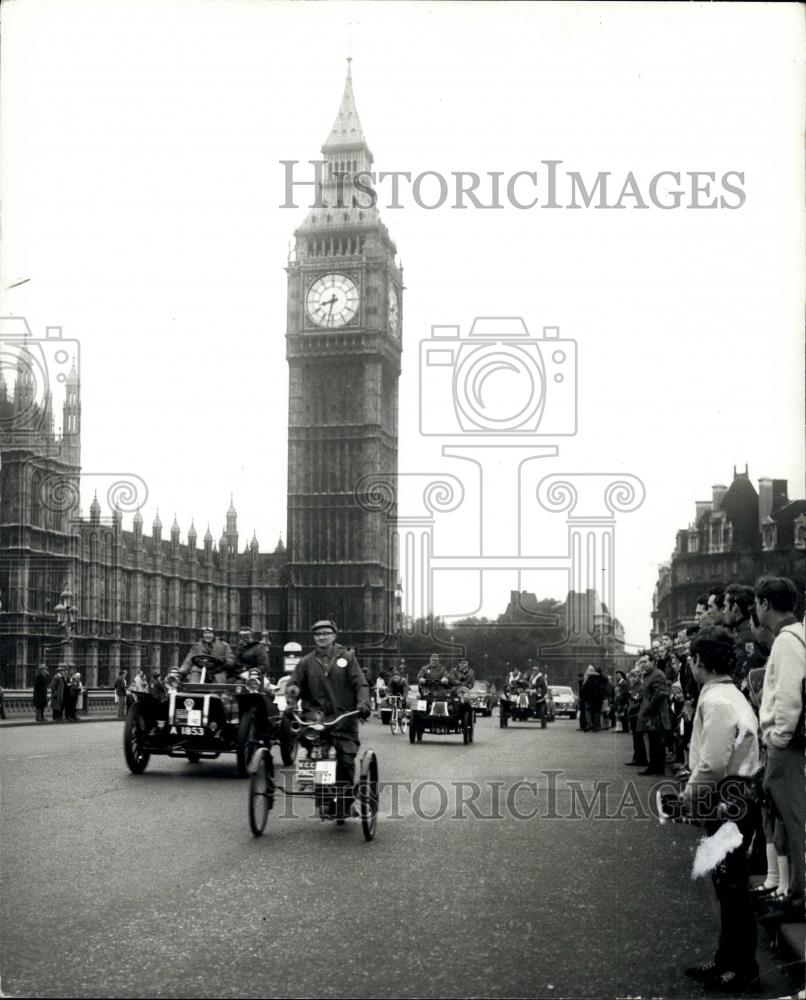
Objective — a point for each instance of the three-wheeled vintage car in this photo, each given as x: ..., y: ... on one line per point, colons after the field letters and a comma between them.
x: 200, y: 719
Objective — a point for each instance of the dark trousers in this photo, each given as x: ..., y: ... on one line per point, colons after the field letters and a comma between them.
x: 638, y: 745
x: 70, y: 701
x: 737, y: 922
x: 784, y: 781
x: 593, y: 716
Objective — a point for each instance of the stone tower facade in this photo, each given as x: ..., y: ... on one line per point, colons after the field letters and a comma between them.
x: 344, y: 344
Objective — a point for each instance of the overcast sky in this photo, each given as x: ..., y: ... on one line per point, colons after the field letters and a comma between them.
x: 141, y: 194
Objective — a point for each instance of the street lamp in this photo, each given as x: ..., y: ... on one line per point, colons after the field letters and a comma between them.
x: 67, y: 615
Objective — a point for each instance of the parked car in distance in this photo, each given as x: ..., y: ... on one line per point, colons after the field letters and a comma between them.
x: 565, y: 702
x: 482, y: 698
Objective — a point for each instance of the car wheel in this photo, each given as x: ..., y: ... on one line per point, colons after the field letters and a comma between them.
x: 247, y: 740
x: 419, y: 734
x: 467, y: 725
x: 404, y: 724
x: 502, y: 718
x: 192, y: 756
x: 261, y: 791
x: 134, y: 732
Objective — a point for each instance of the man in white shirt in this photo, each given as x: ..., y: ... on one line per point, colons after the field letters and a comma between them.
x: 723, y: 756
x: 781, y: 722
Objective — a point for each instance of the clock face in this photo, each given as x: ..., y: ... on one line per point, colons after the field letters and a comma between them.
x: 332, y: 300
x: 394, y: 310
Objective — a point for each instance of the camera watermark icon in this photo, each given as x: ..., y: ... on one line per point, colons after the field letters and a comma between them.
x: 34, y: 370
x: 501, y: 379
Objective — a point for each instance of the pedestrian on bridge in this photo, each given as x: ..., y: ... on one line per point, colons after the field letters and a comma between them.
x: 41, y: 688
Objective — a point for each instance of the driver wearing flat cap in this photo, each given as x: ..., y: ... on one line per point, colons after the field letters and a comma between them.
x: 329, y: 682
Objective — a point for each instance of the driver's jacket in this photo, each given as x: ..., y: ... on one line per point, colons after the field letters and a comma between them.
x: 464, y: 676
x: 218, y: 648
x: 332, y: 685
x: 537, y: 684
x: 253, y: 656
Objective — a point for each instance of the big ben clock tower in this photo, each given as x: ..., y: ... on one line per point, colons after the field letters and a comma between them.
x: 343, y: 350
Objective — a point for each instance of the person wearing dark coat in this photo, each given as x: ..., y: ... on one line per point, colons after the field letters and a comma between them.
x: 251, y: 654
x: 330, y: 682
x: 41, y: 688
x: 57, y: 693
x: 593, y: 694
x: 654, y: 718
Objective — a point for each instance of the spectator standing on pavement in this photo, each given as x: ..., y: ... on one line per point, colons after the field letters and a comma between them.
x: 621, y: 701
x: 121, y: 685
x: 157, y: 686
x: 72, y: 692
x: 636, y: 682
x: 653, y: 717
x: 781, y: 719
x: 41, y: 688
x: 140, y: 683
x: 593, y: 694
x: 57, y: 688
x: 724, y: 759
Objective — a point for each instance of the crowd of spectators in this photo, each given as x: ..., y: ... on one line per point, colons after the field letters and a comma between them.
x: 721, y: 704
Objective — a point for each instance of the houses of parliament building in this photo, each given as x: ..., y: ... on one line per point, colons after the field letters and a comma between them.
x: 104, y: 596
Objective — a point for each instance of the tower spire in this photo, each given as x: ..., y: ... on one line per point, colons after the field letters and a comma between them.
x: 346, y: 132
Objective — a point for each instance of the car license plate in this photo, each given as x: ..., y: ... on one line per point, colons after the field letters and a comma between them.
x: 422, y: 704
x: 319, y: 772
x: 192, y: 730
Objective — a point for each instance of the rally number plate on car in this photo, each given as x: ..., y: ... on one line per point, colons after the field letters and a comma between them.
x: 422, y: 704
x: 319, y: 772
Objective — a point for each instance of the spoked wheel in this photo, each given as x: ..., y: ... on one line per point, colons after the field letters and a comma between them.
x: 368, y: 795
x: 247, y: 740
x: 395, y: 727
x: 404, y: 724
x: 261, y: 790
x: 134, y: 732
x: 413, y: 731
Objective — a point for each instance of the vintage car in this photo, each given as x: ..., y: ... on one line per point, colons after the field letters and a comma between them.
x: 482, y: 698
x: 442, y: 712
x: 515, y: 705
x: 199, y: 720
x: 565, y: 702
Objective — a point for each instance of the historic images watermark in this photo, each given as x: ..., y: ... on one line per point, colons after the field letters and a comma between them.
x: 546, y: 796
x: 549, y: 187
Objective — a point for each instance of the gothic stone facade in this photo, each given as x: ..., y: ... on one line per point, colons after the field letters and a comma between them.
x: 737, y: 536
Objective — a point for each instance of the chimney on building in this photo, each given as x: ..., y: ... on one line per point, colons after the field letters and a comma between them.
x: 702, y: 507
x: 718, y: 494
x: 772, y: 496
